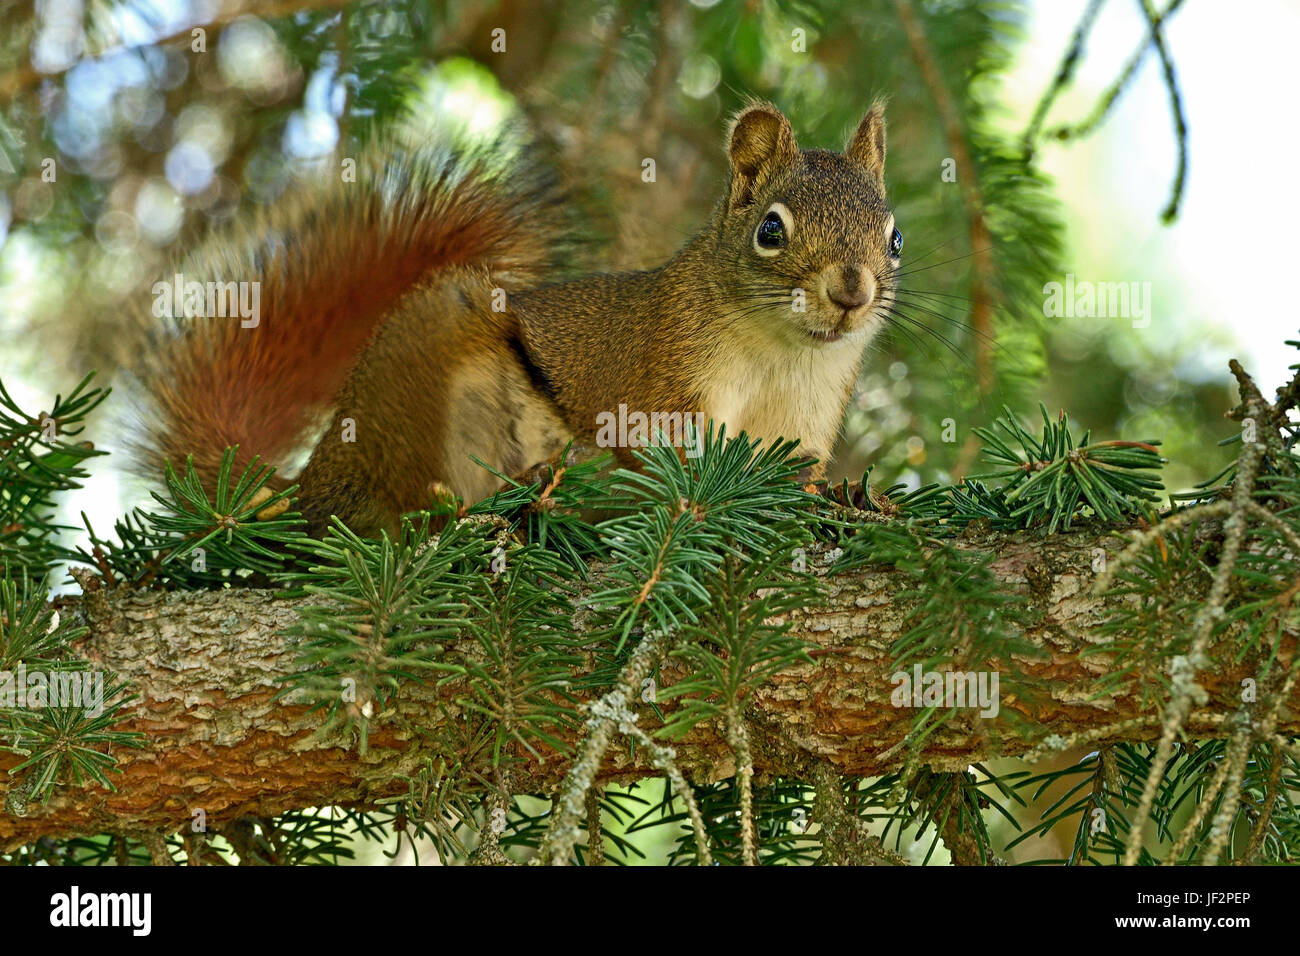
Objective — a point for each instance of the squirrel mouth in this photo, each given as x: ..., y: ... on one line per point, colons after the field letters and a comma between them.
x: 830, y: 335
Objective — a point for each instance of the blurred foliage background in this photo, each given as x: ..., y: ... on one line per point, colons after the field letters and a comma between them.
x: 129, y: 128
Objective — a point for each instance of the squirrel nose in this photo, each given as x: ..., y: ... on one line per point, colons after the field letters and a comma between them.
x: 851, y: 288
x: 849, y: 300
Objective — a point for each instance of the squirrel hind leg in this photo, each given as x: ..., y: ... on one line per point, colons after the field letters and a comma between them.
x: 487, y: 409
x: 497, y: 415
x: 445, y: 381
x: 327, y: 494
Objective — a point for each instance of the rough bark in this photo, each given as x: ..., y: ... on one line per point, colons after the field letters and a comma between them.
x: 207, y: 666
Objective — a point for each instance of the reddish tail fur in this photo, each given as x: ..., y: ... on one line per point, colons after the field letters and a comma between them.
x: 331, y: 263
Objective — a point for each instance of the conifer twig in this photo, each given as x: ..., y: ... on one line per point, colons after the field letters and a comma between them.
x: 1116, y: 90
x: 563, y: 832
x: 846, y: 839
x: 738, y: 740
x: 1064, y: 74
x: 1183, y: 668
x: 665, y: 759
x: 1266, y: 812
x: 1175, y: 106
x: 1234, y: 762
x: 595, y: 833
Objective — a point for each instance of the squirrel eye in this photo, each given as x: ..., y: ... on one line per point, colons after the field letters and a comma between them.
x: 771, y: 232
x: 896, y: 244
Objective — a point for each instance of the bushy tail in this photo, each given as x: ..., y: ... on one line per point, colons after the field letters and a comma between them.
x: 329, y: 263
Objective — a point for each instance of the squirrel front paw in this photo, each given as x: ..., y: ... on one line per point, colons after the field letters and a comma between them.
x: 858, y: 495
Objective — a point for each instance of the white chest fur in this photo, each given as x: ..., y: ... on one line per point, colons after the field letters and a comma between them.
x: 770, y: 389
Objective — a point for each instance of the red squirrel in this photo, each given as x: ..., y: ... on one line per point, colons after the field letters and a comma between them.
x: 412, y: 305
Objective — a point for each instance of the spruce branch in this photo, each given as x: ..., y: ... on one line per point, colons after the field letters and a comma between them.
x: 62, y: 734
x: 562, y: 833
x: 738, y: 740
x: 204, y: 717
x: 1272, y: 794
x: 1185, y: 690
x: 664, y: 759
x: 1154, y: 18
x: 983, y: 291
x: 437, y: 803
x: 386, y: 606
x: 553, y: 511
x: 686, y: 517
x: 1270, y: 567
x: 1064, y: 75
x: 1112, y: 95
x: 240, y: 530
x: 595, y: 831
x: 520, y: 683
x: 507, y: 641
x: 846, y: 839
x: 37, y: 462
x: 1049, y: 477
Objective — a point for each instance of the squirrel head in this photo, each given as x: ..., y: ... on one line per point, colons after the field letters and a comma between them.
x: 808, y: 232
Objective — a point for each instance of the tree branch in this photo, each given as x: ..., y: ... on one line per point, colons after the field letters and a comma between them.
x: 207, y: 666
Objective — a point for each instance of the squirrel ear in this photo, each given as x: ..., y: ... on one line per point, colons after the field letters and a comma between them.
x: 761, y: 142
x: 868, y: 144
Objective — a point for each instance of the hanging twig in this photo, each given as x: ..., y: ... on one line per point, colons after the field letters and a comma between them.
x: 1064, y: 74
x: 1175, y: 105
x: 1111, y: 96
x: 738, y: 740
x: 563, y: 832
